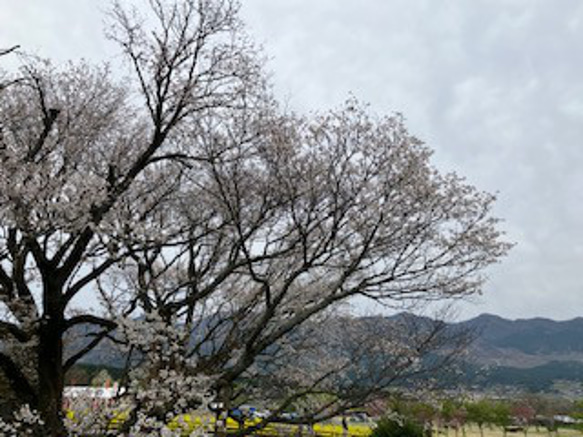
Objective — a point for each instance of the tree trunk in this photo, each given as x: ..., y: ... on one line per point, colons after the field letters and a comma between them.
x: 51, y: 374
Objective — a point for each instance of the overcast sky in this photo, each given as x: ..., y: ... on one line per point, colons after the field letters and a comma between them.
x: 495, y: 87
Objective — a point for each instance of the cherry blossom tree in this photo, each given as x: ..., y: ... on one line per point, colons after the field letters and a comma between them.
x: 219, y: 233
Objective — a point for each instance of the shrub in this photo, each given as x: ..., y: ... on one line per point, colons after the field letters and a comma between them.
x: 387, y: 427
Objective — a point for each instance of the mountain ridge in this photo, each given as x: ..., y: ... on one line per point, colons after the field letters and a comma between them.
x: 525, y: 343
x: 532, y: 354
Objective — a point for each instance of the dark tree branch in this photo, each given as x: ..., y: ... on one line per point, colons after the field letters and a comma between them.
x: 18, y: 381
x: 7, y: 328
x: 7, y: 51
x: 97, y: 338
x: 90, y: 319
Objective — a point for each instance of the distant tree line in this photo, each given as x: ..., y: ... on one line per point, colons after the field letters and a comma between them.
x: 454, y: 416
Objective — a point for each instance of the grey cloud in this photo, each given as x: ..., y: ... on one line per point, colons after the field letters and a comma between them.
x: 492, y: 85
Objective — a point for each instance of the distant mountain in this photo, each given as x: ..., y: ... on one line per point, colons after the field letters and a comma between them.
x: 533, y: 354
x: 525, y: 343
